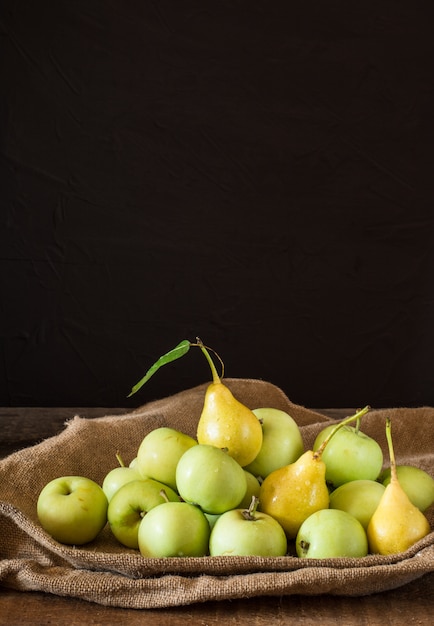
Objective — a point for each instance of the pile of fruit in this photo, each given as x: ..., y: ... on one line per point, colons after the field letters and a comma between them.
x: 245, y: 486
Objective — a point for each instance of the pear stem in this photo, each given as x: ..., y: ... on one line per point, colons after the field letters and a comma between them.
x: 347, y: 420
x: 393, y: 474
x: 215, y: 376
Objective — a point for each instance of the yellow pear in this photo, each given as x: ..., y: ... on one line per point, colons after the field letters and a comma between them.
x: 292, y: 493
x: 227, y: 423
x: 396, y: 523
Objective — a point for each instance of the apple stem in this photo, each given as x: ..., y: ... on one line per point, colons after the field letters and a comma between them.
x: 120, y: 459
x: 163, y: 494
x: 215, y: 377
x: 393, y: 474
x: 347, y: 420
x: 249, y: 514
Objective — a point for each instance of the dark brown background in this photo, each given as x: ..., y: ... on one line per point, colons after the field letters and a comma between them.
x: 255, y: 173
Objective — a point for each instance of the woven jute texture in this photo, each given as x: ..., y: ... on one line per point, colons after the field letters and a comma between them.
x: 105, y: 572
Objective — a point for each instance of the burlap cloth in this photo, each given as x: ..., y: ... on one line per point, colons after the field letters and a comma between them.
x: 107, y: 573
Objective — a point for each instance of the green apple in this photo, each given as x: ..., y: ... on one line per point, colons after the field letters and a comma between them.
x: 208, y: 477
x: 282, y: 443
x: 117, y: 477
x: 349, y: 455
x: 253, y: 489
x: 247, y: 532
x: 331, y: 533
x: 174, y: 529
x: 417, y: 484
x: 131, y: 503
x: 212, y: 518
x: 360, y: 498
x: 72, y: 509
x: 159, y: 452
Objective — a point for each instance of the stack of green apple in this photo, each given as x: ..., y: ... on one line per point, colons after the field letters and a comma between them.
x: 168, y: 500
x: 179, y: 497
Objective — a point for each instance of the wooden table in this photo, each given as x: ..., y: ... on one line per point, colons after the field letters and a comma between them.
x: 411, y: 604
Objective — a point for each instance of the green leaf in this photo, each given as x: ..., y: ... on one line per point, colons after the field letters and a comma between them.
x: 176, y: 353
